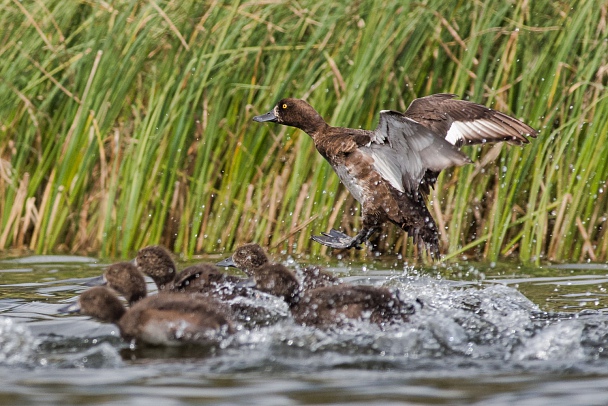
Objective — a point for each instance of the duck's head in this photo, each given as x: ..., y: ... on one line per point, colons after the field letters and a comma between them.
x: 98, y: 302
x: 156, y: 262
x: 295, y: 113
x: 247, y: 257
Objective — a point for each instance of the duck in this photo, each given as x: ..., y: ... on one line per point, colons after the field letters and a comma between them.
x: 250, y: 257
x: 124, y: 278
x: 165, y: 319
x: 391, y: 170
x: 334, y: 305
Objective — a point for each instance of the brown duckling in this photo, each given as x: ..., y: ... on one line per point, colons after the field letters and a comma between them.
x: 124, y: 278
x: 247, y: 258
x: 250, y: 257
x: 168, y: 319
x: 331, y: 305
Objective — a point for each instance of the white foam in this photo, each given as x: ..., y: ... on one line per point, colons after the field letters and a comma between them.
x: 17, y: 344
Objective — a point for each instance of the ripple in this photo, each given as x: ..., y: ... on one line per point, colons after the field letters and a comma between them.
x: 50, y: 259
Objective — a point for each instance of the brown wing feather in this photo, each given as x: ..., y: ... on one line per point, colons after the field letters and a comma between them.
x: 464, y: 122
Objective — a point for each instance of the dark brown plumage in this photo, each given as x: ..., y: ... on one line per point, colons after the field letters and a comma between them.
x: 335, y: 304
x: 475, y: 123
x: 391, y: 169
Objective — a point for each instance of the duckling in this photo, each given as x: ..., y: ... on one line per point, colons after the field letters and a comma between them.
x: 247, y: 258
x: 390, y: 170
x: 250, y: 257
x: 125, y: 279
x: 167, y: 319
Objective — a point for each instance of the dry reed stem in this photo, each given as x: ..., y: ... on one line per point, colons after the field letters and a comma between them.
x: 587, y: 246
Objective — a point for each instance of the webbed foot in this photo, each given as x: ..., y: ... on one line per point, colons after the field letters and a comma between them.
x: 337, y: 239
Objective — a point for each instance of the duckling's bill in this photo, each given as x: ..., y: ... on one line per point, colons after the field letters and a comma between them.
x: 228, y: 262
x: 97, y: 281
x: 69, y: 309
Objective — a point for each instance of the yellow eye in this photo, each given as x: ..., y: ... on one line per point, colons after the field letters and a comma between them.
x: 284, y: 106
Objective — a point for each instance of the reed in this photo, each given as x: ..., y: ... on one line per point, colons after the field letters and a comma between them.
x: 129, y: 123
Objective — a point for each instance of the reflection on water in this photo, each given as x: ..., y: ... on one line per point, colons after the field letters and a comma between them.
x: 486, y: 334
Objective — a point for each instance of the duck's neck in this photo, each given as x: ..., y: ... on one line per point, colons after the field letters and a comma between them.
x: 314, y: 126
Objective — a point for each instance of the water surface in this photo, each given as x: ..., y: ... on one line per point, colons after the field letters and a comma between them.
x: 495, y: 334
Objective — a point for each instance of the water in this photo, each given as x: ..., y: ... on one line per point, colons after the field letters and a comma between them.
x: 487, y: 334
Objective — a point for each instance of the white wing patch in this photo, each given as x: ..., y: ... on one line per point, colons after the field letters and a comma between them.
x: 456, y: 133
x: 479, y: 130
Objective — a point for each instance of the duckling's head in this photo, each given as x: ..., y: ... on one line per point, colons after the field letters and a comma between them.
x: 295, y: 113
x: 98, y: 302
x: 156, y: 262
x: 124, y: 278
x: 247, y: 257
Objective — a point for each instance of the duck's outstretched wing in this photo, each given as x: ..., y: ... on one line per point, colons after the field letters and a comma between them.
x: 463, y: 122
x: 403, y: 150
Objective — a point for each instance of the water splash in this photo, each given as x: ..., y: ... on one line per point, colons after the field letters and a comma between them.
x: 103, y: 354
x: 17, y: 345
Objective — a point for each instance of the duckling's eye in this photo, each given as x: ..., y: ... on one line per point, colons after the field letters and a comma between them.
x: 284, y: 106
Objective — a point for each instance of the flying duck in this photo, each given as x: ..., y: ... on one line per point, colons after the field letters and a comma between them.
x: 390, y: 170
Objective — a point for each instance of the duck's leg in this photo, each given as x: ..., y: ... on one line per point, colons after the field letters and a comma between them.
x: 339, y: 240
